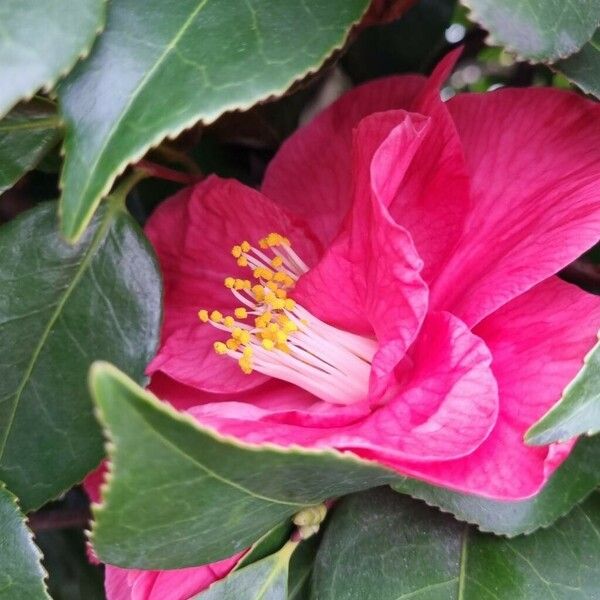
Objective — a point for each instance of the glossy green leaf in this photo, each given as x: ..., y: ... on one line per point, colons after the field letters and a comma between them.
x: 266, y: 579
x: 583, y: 68
x: 61, y: 308
x: 185, y: 62
x: 179, y: 495
x: 573, y: 481
x: 577, y: 412
x: 540, y: 31
x: 26, y: 134
x: 378, y: 546
x: 41, y: 41
x: 21, y: 573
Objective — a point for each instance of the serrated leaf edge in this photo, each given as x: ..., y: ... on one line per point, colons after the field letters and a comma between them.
x: 490, y: 40
x: 172, y: 133
x: 39, y: 555
x: 48, y: 85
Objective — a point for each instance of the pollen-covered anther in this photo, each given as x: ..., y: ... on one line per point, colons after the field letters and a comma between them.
x: 274, y: 335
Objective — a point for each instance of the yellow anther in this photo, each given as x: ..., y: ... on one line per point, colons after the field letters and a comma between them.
x: 216, y: 316
x: 247, y: 352
x: 220, y: 348
x: 236, y: 251
x: 280, y: 276
x: 280, y: 293
x: 203, y: 316
x: 277, y: 262
x: 268, y: 344
x: 290, y: 326
x: 236, y: 333
x: 242, y: 261
x: 245, y: 365
x: 290, y: 304
x: 229, y: 321
x: 232, y: 344
x: 245, y: 337
x: 239, y: 284
x: 229, y: 282
x: 281, y: 337
x: 278, y: 303
x: 263, y: 243
x: 240, y: 313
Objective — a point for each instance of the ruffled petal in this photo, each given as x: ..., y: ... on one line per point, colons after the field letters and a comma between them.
x: 311, y: 174
x: 534, y: 160
x: 538, y: 342
x: 193, y: 234
x: 444, y: 407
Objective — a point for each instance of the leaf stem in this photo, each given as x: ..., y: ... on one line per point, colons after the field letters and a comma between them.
x: 156, y: 170
x: 119, y: 195
x: 173, y: 155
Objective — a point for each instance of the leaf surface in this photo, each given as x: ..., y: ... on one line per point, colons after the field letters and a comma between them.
x: 21, y: 573
x: 41, y: 41
x: 27, y: 133
x: 583, y: 68
x: 377, y: 546
x: 180, y: 495
x: 266, y: 579
x: 540, y: 31
x: 61, y: 308
x: 186, y: 62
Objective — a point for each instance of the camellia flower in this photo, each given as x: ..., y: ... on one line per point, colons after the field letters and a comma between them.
x: 391, y: 291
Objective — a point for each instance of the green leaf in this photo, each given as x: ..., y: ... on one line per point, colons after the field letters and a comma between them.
x: 61, y: 308
x: 41, y: 41
x: 266, y: 579
x: 26, y: 134
x: 268, y: 544
x: 573, y: 481
x: 21, y: 573
x: 540, y: 31
x: 583, y: 68
x: 577, y: 412
x: 378, y: 546
x: 301, y: 568
x: 184, y: 65
x: 180, y: 495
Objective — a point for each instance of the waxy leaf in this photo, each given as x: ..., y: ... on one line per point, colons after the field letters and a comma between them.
x: 26, y: 134
x: 573, y: 481
x: 21, y: 573
x: 301, y: 568
x: 179, y: 495
x: 578, y: 411
x: 62, y: 307
x: 540, y: 31
x: 378, y: 546
x: 266, y: 579
x: 583, y: 68
x: 156, y: 71
x: 41, y: 41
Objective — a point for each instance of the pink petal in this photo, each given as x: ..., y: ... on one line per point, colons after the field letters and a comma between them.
x: 193, y: 234
x: 313, y: 168
x: 444, y: 408
x: 534, y: 160
x: 538, y: 342
x: 177, y: 584
x: 373, y: 261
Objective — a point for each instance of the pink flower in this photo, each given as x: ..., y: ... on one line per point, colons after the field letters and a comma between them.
x: 407, y: 310
x: 137, y: 584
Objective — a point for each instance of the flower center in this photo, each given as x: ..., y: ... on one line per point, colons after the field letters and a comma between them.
x: 271, y: 333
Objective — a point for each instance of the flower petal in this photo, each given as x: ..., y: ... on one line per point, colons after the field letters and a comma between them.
x: 176, y: 584
x: 538, y: 342
x: 445, y: 408
x: 311, y: 174
x: 534, y: 160
x: 193, y: 234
